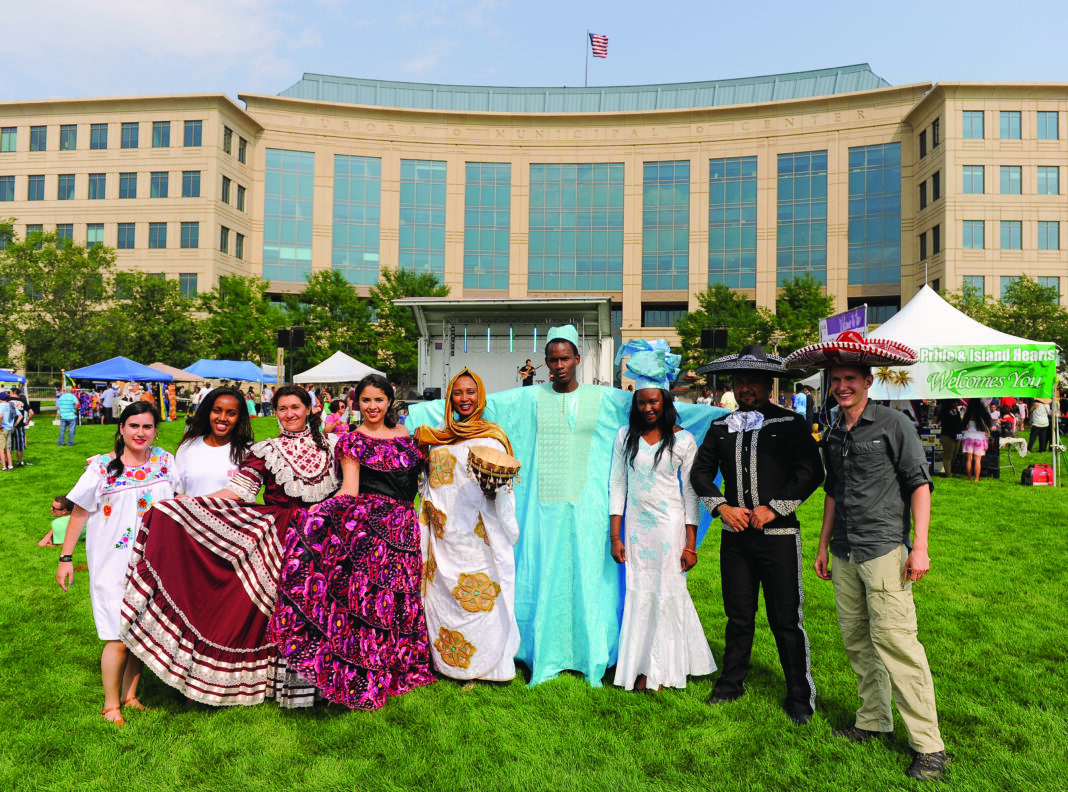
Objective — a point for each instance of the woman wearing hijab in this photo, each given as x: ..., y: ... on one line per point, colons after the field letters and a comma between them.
x: 468, y: 544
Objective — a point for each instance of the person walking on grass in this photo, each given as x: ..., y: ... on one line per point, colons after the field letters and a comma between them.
x: 8, y: 416
x: 976, y: 437
x: 67, y: 410
x: 878, y: 486
x: 109, y: 499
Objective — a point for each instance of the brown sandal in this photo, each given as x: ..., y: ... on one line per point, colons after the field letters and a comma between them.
x: 134, y: 704
x: 117, y: 721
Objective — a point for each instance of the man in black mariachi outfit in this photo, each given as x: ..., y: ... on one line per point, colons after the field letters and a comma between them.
x: 770, y: 464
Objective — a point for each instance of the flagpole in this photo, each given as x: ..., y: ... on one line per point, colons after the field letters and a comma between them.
x: 586, y: 80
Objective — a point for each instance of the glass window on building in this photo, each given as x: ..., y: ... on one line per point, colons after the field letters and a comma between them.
x: 923, y: 246
x: 194, y: 132
x: 802, y: 215
x: 127, y: 185
x: 972, y: 125
x: 666, y: 315
x: 289, y: 186
x: 8, y: 138
x: 1011, y: 235
x: 68, y: 137
x: 126, y: 236
x: 973, y: 179
x: 94, y: 234
x: 487, y: 223
x: 1006, y: 284
x: 64, y: 233
x: 35, y: 188
x: 576, y: 227
x: 7, y: 188
x: 33, y: 232
x: 936, y: 185
x: 1011, y: 179
x: 190, y: 234
x: 38, y: 138
x: 973, y: 233
x: 228, y: 139
x: 732, y: 222
x: 1051, y: 282
x: 159, y: 186
x: 666, y: 225
x: 161, y: 134
x: 357, y: 211
x: 224, y: 239
x: 225, y: 189
x: 190, y: 184
x: 1049, y: 180
x: 923, y: 195
x: 128, y: 138
x: 98, y: 184
x: 936, y: 240
x: 422, y: 217
x: 1010, y: 124
x: 923, y: 144
x: 157, y: 235
x: 974, y: 284
x: 187, y: 285
x: 1048, y: 125
x: 98, y: 136
x: 242, y: 150
x: 239, y: 246
x: 239, y: 204
x: 65, y: 187
x: 1049, y: 235
x: 936, y: 133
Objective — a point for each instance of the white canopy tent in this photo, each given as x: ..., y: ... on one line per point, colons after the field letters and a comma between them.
x: 339, y: 367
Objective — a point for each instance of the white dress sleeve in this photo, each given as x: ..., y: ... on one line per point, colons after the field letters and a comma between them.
x: 686, y: 448
x: 617, y: 482
x: 86, y: 493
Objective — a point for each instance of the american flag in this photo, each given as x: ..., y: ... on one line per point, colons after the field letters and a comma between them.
x: 599, y: 45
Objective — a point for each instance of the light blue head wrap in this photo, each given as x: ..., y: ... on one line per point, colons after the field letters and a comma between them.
x: 565, y: 333
x: 651, y: 363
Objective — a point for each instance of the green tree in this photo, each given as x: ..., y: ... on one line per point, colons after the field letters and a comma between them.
x: 969, y: 301
x: 241, y: 322
x: 334, y: 318
x: 1032, y: 311
x: 59, y: 293
x: 720, y: 306
x: 8, y: 300
x: 397, y: 336
x: 157, y: 323
x: 801, y: 303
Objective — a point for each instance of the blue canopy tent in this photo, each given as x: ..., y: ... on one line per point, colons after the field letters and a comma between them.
x: 10, y: 376
x: 238, y: 370
x: 120, y: 368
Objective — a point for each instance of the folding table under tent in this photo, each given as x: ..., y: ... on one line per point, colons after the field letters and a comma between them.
x: 237, y: 370
x: 120, y: 368
x: 339, y: 367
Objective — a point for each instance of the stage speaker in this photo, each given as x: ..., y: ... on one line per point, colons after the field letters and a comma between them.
x: 297, y: 337
x: 714, y: 338
x: 283, y: 337
x: 429, y: 394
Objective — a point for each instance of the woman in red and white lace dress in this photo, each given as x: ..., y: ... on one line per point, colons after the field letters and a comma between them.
x: 203, y: 579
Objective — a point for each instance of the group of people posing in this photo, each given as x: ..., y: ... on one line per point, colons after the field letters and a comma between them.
x: 338, y: 587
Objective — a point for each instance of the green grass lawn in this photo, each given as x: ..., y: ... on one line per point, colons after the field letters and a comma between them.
x: 993, y: 616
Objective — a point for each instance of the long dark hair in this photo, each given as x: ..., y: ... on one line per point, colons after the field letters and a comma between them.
x: 314, y: 422
x: 666, y: 424
x: 115, y: 466
x: 978, y: 412
x: 241, y: 438
x: 380, y: 382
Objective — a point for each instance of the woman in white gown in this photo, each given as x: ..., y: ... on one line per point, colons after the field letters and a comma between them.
x: 661, y: 641
x: 468, y: 541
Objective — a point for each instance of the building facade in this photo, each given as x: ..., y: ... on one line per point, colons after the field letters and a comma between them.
x: 647, y: 194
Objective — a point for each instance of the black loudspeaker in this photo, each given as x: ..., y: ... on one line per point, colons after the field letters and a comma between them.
x: 429, y: 394
x: 714, y: 338
x: 297, y: 337
x: 283, y: 337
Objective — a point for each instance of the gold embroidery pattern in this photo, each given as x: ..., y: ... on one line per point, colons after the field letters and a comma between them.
x: 454, y: 649
x: 442, y: 465
x: 430, y: 567
x: 480, y: 529
x: 476, y: 593
x: 435, y: 518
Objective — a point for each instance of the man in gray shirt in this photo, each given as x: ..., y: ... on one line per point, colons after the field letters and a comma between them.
x: 878, y: 487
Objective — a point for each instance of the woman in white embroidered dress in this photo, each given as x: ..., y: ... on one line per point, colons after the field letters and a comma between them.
x: 468, y: 545
x: 209, y: 636
x: 110, y: 498
x: 661, y: 641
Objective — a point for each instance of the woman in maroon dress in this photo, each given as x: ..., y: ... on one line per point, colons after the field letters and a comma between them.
x: 206, y: 632
x: 350, y: 618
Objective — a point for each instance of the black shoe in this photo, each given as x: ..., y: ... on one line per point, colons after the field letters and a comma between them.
x: 713, y: 700
x: 856, y: 734
x: 799, y: 718
x: 928, y: 766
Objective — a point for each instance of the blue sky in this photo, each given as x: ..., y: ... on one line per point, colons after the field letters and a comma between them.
x: 73, y: 48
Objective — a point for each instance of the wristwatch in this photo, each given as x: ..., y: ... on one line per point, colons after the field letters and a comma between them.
x: 66, y: 559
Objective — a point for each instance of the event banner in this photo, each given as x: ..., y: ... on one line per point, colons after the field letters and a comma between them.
x: 855, y: 319
x: 1026, y: 370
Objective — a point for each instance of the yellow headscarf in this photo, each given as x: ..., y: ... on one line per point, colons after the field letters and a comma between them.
x: 456, y: 430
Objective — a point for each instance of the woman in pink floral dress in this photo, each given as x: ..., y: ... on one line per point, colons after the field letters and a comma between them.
x: 350, y: 617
